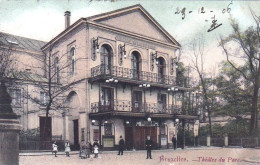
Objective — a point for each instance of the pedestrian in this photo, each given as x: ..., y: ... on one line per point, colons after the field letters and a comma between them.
x: 82, y: 152
x: 121, y: 146
x: 55, y: 148
x: 148, y: 144
x: 95, y: 143
x: 96, y: 151
x: 88, y: 149
x: 174, y: 141
x: 67, y: 148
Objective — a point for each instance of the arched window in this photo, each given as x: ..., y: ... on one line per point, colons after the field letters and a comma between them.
x: 161, y: 65
x: 57, y: 69
x: 73, y: 60
x: 106, y: 56
x: 136, y: 64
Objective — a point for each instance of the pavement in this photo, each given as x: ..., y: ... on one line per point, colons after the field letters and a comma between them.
x: 196, y: 155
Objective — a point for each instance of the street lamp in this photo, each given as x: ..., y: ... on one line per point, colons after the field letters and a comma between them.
x: 93, y: 122
x: 112, y: 80
x: 154, y: 57
x: 96, y: 45
x: 149, y: 119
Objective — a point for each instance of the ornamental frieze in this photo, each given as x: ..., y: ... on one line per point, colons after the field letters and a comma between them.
x: 134, y: 42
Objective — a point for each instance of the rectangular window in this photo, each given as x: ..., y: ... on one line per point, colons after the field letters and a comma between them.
x: 162, y: 128
x: 106, y: 99
x: 137, y: 101
x: 44, y: 98
x: 16, y: 96
x: 108, y: 129
x: 95, y: 134
x: 82, y: 134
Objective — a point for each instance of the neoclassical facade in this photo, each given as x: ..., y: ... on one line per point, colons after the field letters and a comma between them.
x: 127, y: 62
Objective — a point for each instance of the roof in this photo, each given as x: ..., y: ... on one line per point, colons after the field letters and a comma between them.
x: 21, y: 42
x: 109, y: 14
x: 28, y: 76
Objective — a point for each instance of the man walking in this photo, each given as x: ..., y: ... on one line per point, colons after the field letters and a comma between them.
x: 121, y: 146
x: 174, y: 142
x: 148, y: 144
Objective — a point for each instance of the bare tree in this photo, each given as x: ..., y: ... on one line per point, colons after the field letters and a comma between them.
x: 248, y: 49
x: 197, y: 47
x: 55, y: 82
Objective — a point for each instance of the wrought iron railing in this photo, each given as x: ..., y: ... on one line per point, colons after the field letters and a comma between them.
x: 129, y: 106
x: 133, y: 74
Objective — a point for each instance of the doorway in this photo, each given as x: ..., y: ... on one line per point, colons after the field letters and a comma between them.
x: 76, y: 133
x: 140, y: 135
x: 45, y: 132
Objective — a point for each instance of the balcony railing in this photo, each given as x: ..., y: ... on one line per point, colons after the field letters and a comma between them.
x: 132, y: 74
x: 128, y: 106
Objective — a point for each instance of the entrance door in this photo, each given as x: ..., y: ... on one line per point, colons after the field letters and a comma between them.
x: 137, y: 101
x: 76, y: 133
x: 141, y: 134
x: 129, y: 141
x: 45, y: 132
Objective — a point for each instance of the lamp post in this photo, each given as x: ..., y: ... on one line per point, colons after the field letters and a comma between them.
x: 183, y: 133
x: 144, y: 86
x: 176, y: 123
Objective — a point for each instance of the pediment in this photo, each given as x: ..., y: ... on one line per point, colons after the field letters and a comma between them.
x: 135, y: 20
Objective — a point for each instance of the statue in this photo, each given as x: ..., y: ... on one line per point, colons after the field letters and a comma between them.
x: 6, y: 111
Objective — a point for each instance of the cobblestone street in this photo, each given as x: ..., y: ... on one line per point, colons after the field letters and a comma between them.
x: 212, y: 156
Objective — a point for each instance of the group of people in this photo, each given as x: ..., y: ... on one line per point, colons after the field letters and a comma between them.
x: 55, y: 148
x: 87, y: 149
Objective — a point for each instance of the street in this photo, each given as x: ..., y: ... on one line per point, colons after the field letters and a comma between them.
x: 164, y: 157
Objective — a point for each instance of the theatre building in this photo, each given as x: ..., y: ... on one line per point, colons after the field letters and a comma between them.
x: 127, y: 63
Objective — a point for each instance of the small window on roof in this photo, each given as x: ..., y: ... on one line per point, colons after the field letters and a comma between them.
x: 12, y: 40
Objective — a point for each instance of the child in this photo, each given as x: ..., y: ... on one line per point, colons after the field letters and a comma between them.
x: 82, y: 152
x: 96, y: 151
x: 67, y: 149
x: 88, y: 149
x: 54, y: 148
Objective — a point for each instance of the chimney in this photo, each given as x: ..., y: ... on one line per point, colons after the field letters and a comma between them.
x: 67, y: 19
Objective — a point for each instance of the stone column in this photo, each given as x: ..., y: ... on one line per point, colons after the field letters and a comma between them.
x: 226, y: 140
x: 208, y: 141
x: 9, y: 141
x: 9, y: 130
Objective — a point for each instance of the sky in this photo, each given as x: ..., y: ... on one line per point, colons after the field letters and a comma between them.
x: 43, y: 20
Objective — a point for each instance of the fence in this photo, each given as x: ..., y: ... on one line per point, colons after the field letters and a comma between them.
x: 245, y: 142
x: 34, y: 143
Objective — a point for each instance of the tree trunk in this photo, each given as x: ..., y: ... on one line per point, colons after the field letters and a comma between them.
x: 207, y: 103
x: 253, y: 121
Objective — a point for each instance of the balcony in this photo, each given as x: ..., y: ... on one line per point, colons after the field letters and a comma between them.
x: 131, y: 75
x: 128, y: 106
